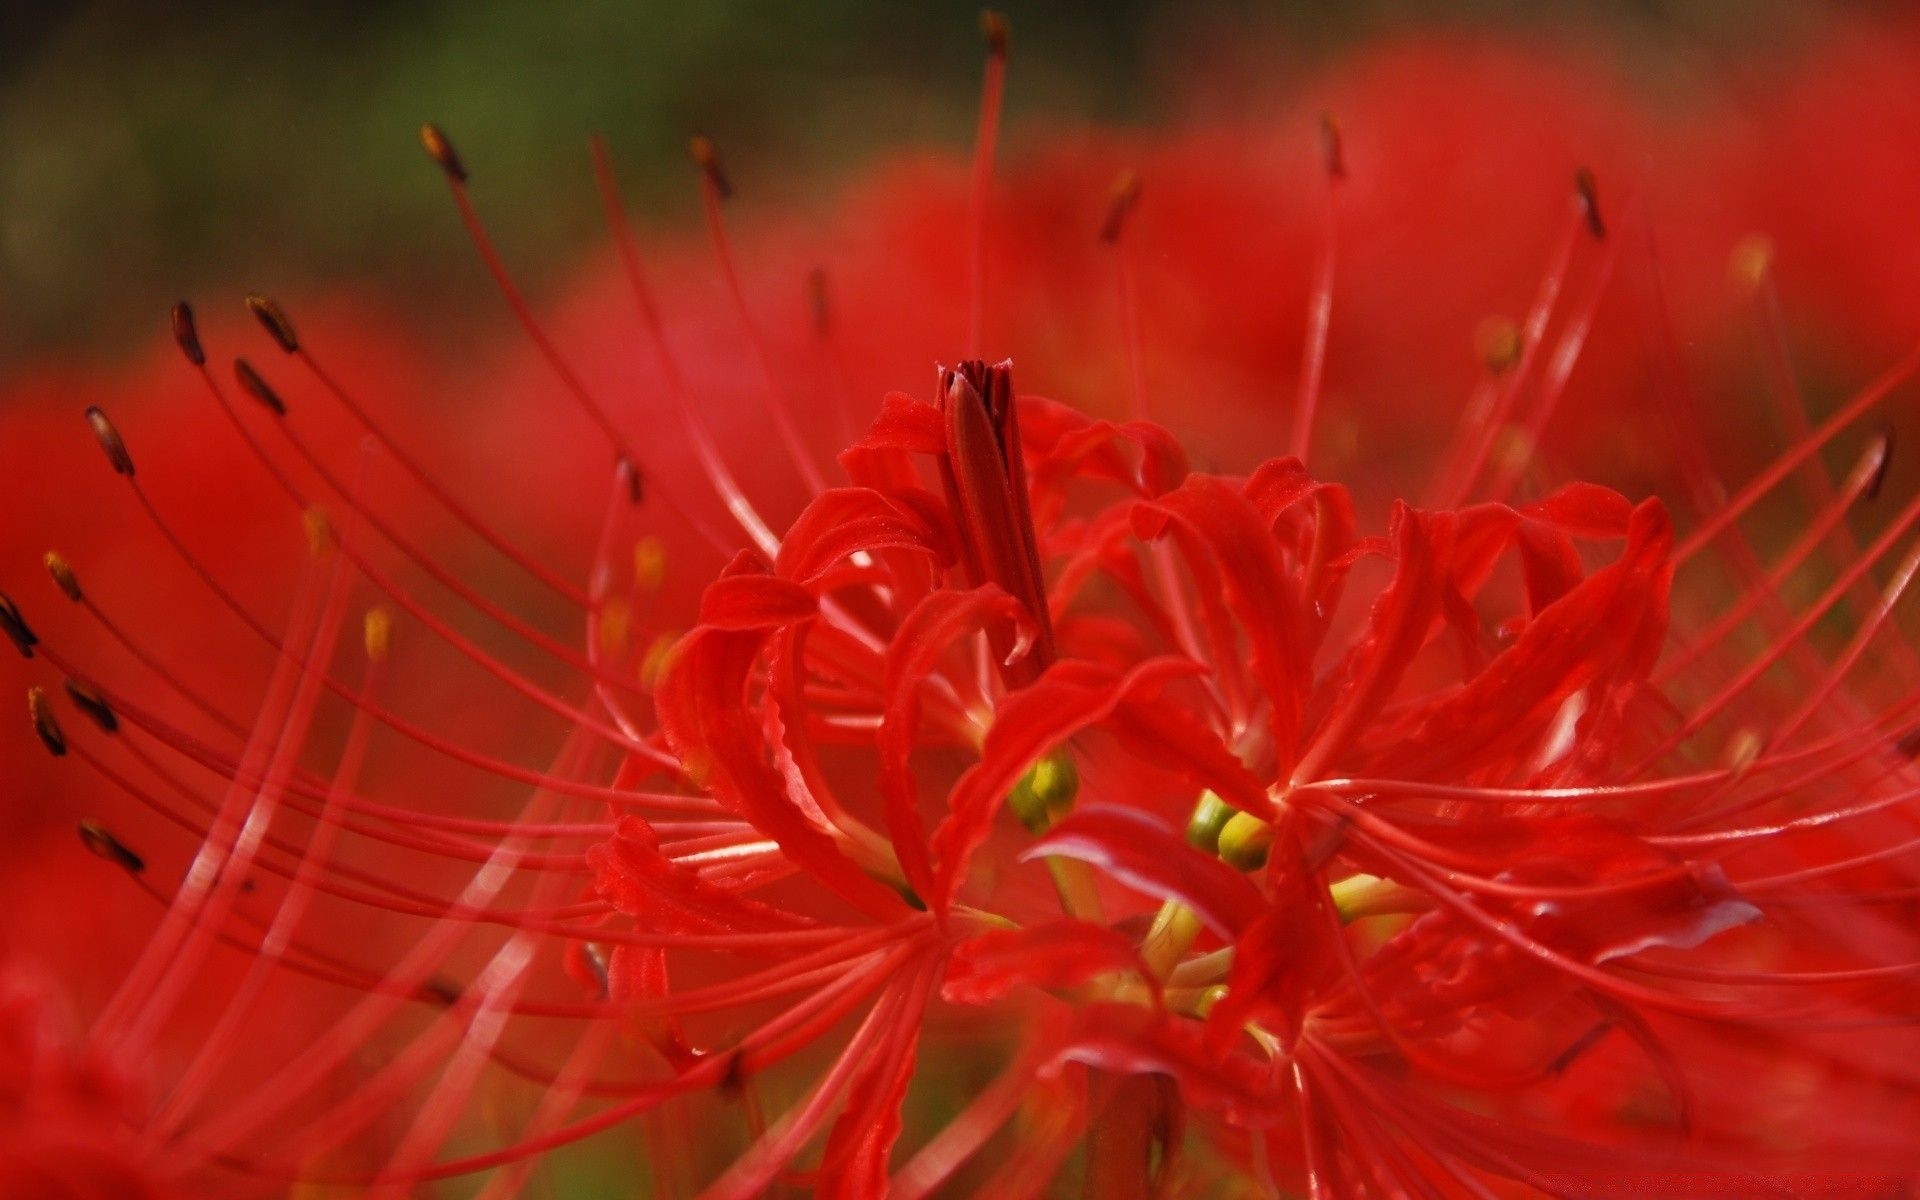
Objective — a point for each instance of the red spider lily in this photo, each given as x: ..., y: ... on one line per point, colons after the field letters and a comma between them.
x: 1030, y: 812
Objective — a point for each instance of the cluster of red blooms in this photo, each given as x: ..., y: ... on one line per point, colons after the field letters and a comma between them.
x: 1031, y: 813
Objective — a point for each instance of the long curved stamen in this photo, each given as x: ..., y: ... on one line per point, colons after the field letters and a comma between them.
x: 1313, y: 356
x: 993, y: 90
x: 147, y: 997
x: 407, y: 547
x: 441, y: 151
x: 465, y: 646
x: 714, y: 190
x: 281, y: 328
x: 719, y: 475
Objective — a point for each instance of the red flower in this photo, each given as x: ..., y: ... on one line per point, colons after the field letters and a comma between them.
x: 1030, y: 810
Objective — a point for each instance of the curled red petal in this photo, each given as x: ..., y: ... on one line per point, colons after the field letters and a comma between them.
x: 1127, y: 1039
x: 1143, y: 852
x: 926, y: 634
x: 747, y: 602
x: 1063, y: 953
x: 1585, y: 510
x: 639, y: 974
x: 854, y: 1163
x: 1401, y: 620
x: 1069, y: 697
x: 1549, y: 561
x: 702, y: 709
x: 1065, y: 445
x: 1216, y: 519
x: 1282, y: 960
x: 1162, y: 733
x: 637, y: 878
x: 904, y: 423
x: 1277, y: 485
x: 1608, y: 625
x: 842, y: 522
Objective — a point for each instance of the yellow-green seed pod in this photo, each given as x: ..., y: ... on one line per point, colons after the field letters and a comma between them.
x: 1045, y: 793
x: 1212, y: 996
x: 1245, y: 840
x: 1209, y: 817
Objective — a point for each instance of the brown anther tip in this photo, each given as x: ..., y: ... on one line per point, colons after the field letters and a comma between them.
x: 1884, y: 455
x: 88, y: 700
x: 40, y: 711
x: 251, y: 383
x: 707, y: 157
x: 636, y: 485
x: 94, y: 836
x: 819, y: 303
x: 993, y: 27
x: 187, y: 335
x: 273, y: 318
x: 596, y: 960
x: 63, y: 576
x: 110, y: 441
x: 734, y: 1077
x: 441, y: 150
x: 1121, y: 201
x: 442, y: 991
x: 15, y: 626
x: 1588, y: 191
x: 1585, y: 1042
x: 1333, y: 147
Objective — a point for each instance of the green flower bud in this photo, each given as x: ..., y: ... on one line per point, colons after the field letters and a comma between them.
x: 1045, y: 793
x: 1203, y: 831
x: 1245, y: 840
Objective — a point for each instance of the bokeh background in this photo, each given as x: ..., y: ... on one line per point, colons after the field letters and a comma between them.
x: 150, y: 149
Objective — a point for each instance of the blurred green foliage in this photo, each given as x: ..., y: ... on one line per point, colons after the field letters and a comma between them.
x: 152, y: 147
x: 147, y: 148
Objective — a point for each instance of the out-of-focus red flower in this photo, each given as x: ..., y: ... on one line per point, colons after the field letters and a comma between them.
x: 1333, y: 797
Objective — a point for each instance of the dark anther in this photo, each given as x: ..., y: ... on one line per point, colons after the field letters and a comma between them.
x: 274, y: 319
x: 1581, y: 1045
x: 442, y: 152
x: 44, y: 724
x: 818, y: 303
x: 707, y: 157
x: 596, y: 959
x: 63, y: 576
x: 734, y: 1077
x: 110, y: 442
x: 16, y: 626
x: 993, y: 27
x: 1121, y: 202
x: 1333, y: 148
x: 1886, y: 461
x: 1590, y: 202
x: 94, y: 836
x: 88, y: 700
x: 251, y: 383
x: 186, y: 335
